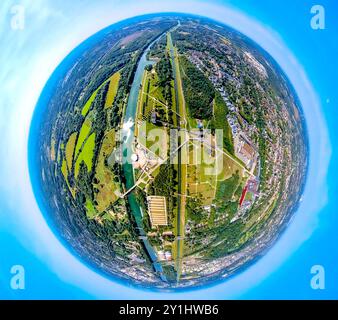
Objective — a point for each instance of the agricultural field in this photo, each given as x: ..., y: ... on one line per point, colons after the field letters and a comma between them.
x: 70, y: 150
x: 90, y: 209
x: 112, y: 90
x: 86, y: 155
x: 205, y: 175
x: 64, y: 169
x: 106, y: 183
x: 89, y: 103
x: 83, y: 135
x: 53, y: 149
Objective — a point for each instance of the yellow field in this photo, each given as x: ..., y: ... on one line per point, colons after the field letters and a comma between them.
x: 70, y: 150
x: 64, y: 171
x: 52, y: 149
x: 113, y: 86
x: 86, y: 155
x: 114, y: 82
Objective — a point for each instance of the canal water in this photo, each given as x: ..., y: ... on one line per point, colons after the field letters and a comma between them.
x: 128, y: 130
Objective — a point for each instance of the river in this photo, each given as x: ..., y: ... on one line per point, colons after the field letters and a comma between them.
x: 128, y: 130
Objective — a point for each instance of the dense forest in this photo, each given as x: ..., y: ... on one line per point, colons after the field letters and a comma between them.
x: 199, y: 92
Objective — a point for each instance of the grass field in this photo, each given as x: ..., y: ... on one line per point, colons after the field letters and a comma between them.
x: 113, y: 86
x: 181, y: 101
x: 154, y: 90
x: 204, y: 177
x: 150, y: 95
x: 148, y: 104
x: 88, y: 104
x: 183, y: 169
x: 229, y: 167
x: 173, y: 96
x: 70, y: 150
x: 199, y: 182
x: 105, y: 177
x: 91, y: 212
x: 84, y: 132
x: 112, y: 90
x: 227, y: 188
x: 157, y: 140
x: 86, y: 155
x: 145, y: 103
x: 64, y: 171
x: 139, y: 110
x: 149, y: 98
x: 141, y: 96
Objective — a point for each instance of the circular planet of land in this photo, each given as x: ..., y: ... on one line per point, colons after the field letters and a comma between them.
x: 169, y: 151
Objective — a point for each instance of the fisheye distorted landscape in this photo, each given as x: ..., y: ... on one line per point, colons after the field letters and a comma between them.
x: 171, y: 151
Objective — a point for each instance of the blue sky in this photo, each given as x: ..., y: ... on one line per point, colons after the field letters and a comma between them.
x: 53, y: 29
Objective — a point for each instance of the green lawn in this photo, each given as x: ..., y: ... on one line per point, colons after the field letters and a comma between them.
x: 199, y: 183
x: 86, y: 155
x: 88, y: 104
x: 155, y: 90
x: 84, y: 132
x: 181, y: 99
x: 227, y: 188
x: 91, y: 212
x: 105, y: 178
